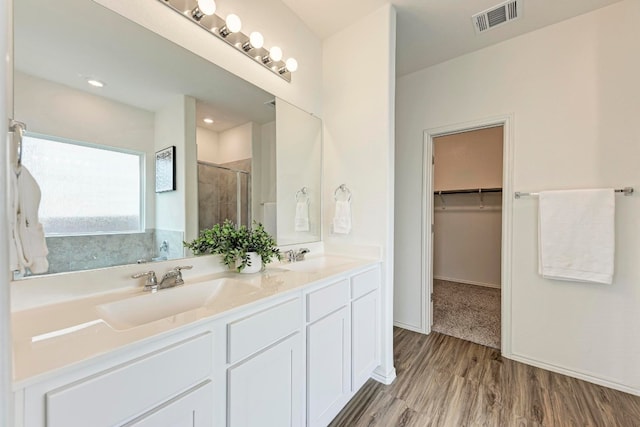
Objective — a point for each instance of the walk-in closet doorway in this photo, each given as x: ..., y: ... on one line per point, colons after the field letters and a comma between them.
x: 466, y: 238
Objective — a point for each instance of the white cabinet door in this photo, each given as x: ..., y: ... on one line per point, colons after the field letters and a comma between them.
x: 328, y: 367
x: 266, y: 389
x: 191, y: 409
x: 365, y: 332
x: 125, y: 391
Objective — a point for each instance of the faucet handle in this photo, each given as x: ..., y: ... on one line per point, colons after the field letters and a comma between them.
x: 299, y: 254
x: 290, y: 255
x: 178, y: 273
x: 151, y: 275
x: 152, y: 280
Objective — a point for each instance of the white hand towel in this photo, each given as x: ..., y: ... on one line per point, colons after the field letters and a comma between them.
x: 576, y: 235
x: 28, y: 233
x: 342, y: 217
x: 301, y: 222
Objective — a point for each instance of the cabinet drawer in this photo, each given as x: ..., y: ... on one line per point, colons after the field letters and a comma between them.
x: 111, y: 397
x: 364, y: 283
x: 251, y: 334
x: 327, y: 300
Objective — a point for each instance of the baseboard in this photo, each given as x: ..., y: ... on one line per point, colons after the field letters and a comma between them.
x: 384, y: 378
x: 408, y: 327
x: 468, y: 282
x: 572, y: 373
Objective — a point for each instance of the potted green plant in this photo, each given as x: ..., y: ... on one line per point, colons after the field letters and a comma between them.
x: 244, y: 249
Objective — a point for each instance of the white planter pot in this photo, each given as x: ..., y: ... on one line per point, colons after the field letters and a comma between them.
x: 255, y: 264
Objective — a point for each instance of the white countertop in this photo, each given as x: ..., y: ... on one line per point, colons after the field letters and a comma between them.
x: 51, y: 337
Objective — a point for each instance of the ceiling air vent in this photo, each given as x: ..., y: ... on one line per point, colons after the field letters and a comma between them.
x: 497, y: 15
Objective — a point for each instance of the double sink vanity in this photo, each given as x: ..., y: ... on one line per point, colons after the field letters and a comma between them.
x: 285, y: 347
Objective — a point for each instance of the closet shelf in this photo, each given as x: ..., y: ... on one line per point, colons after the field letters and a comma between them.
x: 469, y: 190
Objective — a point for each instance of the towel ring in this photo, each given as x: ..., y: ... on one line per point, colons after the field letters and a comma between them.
x: 303, y: 192
x: 342, y: 188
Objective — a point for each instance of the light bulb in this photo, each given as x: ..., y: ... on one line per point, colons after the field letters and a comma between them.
x: 208, y: 7
x: 292, y: 65
x: 233, y: 23
x: 256, y: 40
x: 275, y: 53
x: 208, y: 120
x: 95, y: 83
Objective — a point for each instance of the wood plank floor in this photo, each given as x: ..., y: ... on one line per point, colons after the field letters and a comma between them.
x: 446, y: 381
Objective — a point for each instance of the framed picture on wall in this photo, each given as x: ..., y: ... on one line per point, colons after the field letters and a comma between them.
x: 166, y: 170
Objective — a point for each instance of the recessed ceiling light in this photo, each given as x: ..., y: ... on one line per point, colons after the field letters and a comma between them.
x: 95, y: 83
x: 208, y: 120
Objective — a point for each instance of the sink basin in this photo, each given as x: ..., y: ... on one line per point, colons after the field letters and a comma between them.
x: 139, y: 310
x: 311, y: 265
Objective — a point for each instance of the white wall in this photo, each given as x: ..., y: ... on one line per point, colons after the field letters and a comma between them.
x: 574, y: 93
x: 279, y: 25
x: 56, y: 110
x: 358, y: 142
x: 299, y: 160
x: 226, y: 146
x: 268, y: 161
x: 467, y: 239
x: 235, y: 143
x: 207, y: 144
x: 175, y: 125
x: 263, y: 176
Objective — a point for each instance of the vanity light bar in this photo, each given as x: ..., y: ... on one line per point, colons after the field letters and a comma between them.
x: 220, y: 28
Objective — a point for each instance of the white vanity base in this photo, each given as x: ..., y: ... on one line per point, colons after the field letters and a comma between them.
x: 295, y: 355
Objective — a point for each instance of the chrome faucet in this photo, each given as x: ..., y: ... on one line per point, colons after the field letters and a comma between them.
x: 170, y: 279
x: 173, y: 277
x: 151, y: 284
x: 296, y: 255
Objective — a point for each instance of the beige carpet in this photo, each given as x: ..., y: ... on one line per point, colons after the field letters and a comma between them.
x: 467, y: 311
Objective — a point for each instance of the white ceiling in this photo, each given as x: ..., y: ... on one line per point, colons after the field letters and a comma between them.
x: 145, y: 70
x: 61, y: 43
x: 433, y: 31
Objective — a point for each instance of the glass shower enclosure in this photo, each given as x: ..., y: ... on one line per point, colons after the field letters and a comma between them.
x: 223, y: 193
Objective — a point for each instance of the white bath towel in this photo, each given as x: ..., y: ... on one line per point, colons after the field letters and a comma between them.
x: 342, y: 217
x: 576, y: 236
x: 30, y: 247
x: 301, y: 221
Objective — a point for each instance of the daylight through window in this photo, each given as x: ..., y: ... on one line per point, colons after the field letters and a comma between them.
x: 86, y: 189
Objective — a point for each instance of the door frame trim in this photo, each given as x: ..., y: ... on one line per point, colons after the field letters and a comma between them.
x: 506, y: 121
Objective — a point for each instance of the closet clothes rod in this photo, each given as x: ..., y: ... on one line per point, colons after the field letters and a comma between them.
x: 627, y: 191
x: 470, y: 190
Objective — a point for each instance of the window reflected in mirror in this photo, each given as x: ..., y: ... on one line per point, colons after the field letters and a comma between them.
x: 86, y: 189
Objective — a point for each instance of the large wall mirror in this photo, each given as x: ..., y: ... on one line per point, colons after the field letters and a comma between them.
x: 107, y: 158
